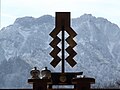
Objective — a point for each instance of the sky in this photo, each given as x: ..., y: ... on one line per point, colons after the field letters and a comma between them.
x: 12, y: 9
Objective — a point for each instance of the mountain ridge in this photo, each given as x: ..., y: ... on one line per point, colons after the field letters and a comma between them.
x: 98, y: 42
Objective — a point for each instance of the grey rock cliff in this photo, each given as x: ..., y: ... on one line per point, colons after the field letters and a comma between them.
x: 25, y: 44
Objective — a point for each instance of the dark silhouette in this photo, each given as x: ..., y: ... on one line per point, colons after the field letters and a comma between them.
x: 62, y: 78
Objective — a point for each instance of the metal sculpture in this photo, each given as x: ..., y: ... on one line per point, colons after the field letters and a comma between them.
x: 49, y: 79
x: 63, y: 25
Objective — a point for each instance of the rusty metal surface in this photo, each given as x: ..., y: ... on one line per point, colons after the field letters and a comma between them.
x: 71, y: 42
x: 55, y: 61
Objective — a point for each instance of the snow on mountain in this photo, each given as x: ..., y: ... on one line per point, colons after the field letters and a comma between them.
x: 25, y: 44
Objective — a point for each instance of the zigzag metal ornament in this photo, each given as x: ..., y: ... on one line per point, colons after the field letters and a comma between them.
x: 62, y: 24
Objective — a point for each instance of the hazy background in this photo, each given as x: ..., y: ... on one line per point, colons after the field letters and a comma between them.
x: 12, y: 9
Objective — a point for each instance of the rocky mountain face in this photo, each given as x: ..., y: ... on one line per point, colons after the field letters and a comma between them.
x: 25, y: 44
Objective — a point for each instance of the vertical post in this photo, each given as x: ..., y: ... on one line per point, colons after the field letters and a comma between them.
x: 63, y: 50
